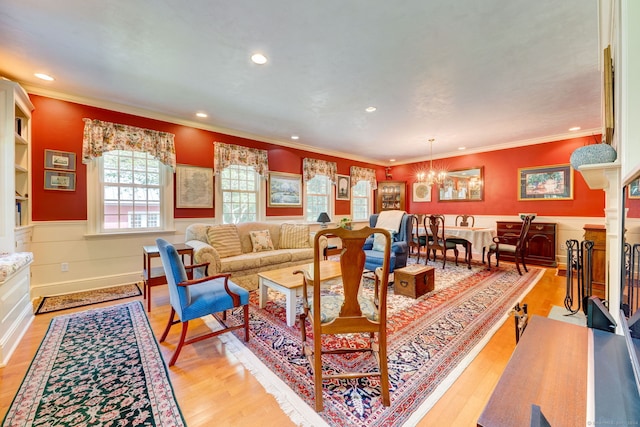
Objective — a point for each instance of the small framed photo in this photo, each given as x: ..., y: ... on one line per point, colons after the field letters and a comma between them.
x: 285, y: 190
x: 343, y: 187
x: 634, y: 189
x: 421, y: 192
x: 62, y: 160
x: 546, y: 183
x: 64, y: 181
x: 194, y: 187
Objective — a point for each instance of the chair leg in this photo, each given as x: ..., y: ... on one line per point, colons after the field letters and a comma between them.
x: 317, y: 371
x: 183, y: 335
x: 245, y: 312
x: 169, y: 324
x: 384, y: 370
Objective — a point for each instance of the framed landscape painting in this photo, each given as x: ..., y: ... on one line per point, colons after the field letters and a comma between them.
x: 284, y: 190
x: 546, y: 183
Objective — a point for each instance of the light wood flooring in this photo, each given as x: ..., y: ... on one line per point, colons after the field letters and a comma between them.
x: 213, y: 388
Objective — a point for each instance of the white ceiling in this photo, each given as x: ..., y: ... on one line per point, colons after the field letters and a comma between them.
x: 474, y: 73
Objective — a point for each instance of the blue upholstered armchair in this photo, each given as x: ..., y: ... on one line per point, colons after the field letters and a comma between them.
x: 399, y: 246
x: 195, y: 298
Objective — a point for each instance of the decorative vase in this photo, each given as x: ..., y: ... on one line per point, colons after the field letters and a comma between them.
x: 591, y: 154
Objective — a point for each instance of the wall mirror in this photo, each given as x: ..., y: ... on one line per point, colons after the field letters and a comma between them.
x: 463, y: 185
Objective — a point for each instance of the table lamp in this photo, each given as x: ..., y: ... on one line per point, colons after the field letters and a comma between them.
x: 324, y: 219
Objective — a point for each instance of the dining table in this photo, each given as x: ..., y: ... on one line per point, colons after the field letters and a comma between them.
x: 478, y: 237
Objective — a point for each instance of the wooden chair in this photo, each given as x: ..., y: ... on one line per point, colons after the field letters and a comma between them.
x: 418, y: 236
x: 511, y: 243
x: 438, y: 242
x: 463, y: 220
x: 192, y: 299
x: 347, y: 312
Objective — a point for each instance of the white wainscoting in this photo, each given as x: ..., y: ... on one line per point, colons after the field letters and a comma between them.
x: 101, y: 261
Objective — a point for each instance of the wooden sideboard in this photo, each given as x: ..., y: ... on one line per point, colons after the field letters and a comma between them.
x: 598, y: 235
x: 541, y: 242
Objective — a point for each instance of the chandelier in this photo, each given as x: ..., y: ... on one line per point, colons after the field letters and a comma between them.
x: 431, y: 176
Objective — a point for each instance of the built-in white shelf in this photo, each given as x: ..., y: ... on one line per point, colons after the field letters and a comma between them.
x: 596, y: 174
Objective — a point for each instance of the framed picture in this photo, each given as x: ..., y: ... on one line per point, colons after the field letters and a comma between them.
x: 285, y: 189
x: 54, y: 180
x: 343, y: 188
x: 421, y: 192
x: 546, y: 183
x: 62, y: 160
x: 194, y: 187
x: 634, y: 189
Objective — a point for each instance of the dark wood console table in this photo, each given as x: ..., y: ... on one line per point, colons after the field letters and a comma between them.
x: 548, y: 368
x: 154, y: 276
x: 541, y: 242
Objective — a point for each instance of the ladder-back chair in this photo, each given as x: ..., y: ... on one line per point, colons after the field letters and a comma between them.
x: 511, y: 243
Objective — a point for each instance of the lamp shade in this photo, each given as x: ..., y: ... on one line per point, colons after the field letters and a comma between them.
x: 324, y: 218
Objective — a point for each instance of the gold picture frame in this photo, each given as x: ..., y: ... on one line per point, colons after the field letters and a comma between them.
x: 194, y: 187
x: 284, y: 190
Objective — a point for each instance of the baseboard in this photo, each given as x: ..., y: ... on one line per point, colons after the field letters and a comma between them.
x: 61, y: 288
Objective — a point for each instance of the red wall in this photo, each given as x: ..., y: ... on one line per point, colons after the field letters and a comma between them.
x: 58, y: 125
x: 501, y: 180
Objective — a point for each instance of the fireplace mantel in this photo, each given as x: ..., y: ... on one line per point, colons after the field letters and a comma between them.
x: 598, y: 176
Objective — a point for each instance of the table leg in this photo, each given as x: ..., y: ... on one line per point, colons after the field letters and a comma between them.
x: 291, y: 306
x: 263, y: 292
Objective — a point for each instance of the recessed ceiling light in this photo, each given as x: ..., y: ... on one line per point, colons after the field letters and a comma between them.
x: 462, y: 148
x: 259, y: 58
x: 575, y: 128
x: 296, y: 137
x: 44, y: 77
x: 392, y: 160
x: 202, y: 115
x: 370, y: 109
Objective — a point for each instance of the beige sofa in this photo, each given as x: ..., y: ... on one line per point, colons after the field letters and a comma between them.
x: 229, y: 248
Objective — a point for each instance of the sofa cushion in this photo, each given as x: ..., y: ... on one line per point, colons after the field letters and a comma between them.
x: 261, y: 240
x: 245, y: 228
x: 225, y: 240
x: 240, y: 263
x: 301, y: 254
x: 274, y: 257
x: 294, y: 236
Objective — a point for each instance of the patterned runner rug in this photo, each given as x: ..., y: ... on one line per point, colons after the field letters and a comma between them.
x: 79, y: 299
x: 430, y: 342
x: 100, y: 367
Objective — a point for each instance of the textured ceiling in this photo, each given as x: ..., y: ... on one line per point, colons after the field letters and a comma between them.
x: 470, y: 73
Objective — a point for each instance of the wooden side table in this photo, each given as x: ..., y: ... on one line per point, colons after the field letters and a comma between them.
x: 154, y: 276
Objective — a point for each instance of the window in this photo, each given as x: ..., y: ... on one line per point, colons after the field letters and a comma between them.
x: 361, y: 201
x: 240, y: 188
x: 133, y: 192
x: 318, y: 191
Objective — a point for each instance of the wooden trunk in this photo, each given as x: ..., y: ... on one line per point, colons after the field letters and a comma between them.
x: 414, y: 280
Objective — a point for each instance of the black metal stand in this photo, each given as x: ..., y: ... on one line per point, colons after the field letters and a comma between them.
x: 580, y: 270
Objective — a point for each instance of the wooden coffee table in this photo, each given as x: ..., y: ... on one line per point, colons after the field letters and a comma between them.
x: 283, y: 280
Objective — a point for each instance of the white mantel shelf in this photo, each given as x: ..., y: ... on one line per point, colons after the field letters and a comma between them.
x: 595, y: 174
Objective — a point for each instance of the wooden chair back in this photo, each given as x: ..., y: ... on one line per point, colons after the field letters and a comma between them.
x: 464, y: 220
x: 352, y: 311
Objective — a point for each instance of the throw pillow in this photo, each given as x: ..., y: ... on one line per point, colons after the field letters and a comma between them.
x: 261, y: 240
x: 379, y: 240
x: 225, y: 240
x: 294, y: 236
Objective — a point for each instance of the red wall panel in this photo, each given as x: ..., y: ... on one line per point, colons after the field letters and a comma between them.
x: 58, y: 125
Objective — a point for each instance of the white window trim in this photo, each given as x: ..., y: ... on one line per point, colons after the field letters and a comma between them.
x: 95, y: 198
x: 369, y: 204
x: 262, y: 200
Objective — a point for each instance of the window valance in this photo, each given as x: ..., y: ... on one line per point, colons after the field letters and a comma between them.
x: 100, y: 137
x: 313, y: 167
x: 230, y: 154
x: 363, y: 174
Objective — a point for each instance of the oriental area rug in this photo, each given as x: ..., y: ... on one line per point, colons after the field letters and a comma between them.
x: 79, y: 299
x: 99, y: 367
x: 430, y: 342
